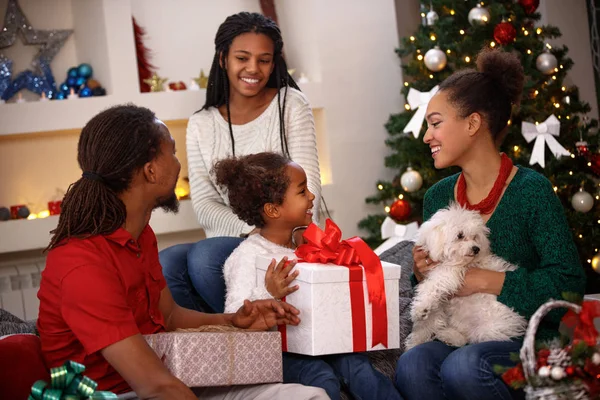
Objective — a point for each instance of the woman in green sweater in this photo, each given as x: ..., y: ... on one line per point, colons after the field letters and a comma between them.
x: 467, y: 120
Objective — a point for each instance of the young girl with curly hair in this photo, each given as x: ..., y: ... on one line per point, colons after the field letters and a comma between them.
x: 269, y: 191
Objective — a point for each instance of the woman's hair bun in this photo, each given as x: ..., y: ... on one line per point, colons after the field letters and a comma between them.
x: 504, y: 68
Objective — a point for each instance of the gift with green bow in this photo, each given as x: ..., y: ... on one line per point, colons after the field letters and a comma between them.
x: 68, y: 383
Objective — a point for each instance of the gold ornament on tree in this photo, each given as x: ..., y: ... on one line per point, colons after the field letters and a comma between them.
x: 596, y: 263
x: 156, y: 83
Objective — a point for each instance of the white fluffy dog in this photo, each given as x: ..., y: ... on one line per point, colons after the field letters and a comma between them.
x: 457, y: 239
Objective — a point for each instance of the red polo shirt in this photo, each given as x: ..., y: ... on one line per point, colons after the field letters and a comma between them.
x: 95, y: 292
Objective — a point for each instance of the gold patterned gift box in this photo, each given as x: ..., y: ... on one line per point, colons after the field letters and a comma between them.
x: 220, y: 356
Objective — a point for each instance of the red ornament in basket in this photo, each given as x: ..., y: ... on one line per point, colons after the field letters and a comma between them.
x: 554, y: 372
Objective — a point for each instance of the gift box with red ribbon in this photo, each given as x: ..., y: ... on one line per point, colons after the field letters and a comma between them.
x: 348, y: 298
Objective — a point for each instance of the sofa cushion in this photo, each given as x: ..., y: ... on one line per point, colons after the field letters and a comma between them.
x: 21, y: 364
x: 401, y: 254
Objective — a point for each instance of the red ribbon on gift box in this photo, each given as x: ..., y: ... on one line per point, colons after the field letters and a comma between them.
x: 327, y: 247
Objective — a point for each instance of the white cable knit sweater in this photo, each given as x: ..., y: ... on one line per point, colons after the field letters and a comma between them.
x: 208, y: 141
x: 240, y: 271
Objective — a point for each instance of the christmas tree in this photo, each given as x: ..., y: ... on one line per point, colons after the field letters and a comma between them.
x: 550, y: 132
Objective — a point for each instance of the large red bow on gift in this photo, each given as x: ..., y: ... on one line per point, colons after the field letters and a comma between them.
x: 327, y: 247
x: 584, y: 322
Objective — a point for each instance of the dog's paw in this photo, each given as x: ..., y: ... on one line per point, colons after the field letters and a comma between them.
x: 415, y: 339
x: 411, y: 341
x: 420, y: 313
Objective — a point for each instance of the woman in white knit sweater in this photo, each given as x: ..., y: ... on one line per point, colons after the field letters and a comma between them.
x: 252, y: 105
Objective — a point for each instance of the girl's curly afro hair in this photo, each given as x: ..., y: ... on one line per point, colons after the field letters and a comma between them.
x: 253, y: 181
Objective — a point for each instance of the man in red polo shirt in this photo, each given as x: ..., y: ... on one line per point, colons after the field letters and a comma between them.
x: 103, y: 288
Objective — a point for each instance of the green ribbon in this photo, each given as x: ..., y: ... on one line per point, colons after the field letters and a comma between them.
x: 68, y: 383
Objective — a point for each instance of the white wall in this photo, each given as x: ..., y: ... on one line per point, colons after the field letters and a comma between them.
x: 181, y: 33
x: 361, y: 78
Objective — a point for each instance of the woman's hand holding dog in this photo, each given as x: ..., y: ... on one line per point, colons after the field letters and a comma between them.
x: 479, y: 280
x: 278, y: 278
x: 422, y: 263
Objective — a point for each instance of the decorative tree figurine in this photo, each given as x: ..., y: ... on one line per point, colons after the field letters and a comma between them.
x: 145, y: 69
x: 549, y: 132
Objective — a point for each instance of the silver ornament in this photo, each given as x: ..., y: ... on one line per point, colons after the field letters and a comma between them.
x: 546, y: 63
x: 432, y: 17
x: 411, y: 180
x: 479, y: 15
x: 435, y: 59
x: 557, y: 373
x: 50, y: 41
x: 544, y: 371
x: 582, y: 201
x: 423, y: 15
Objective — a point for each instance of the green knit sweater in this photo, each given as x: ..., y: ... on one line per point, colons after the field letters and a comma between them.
x: 528, y: 229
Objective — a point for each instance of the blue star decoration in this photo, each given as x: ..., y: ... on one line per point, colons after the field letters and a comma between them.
x: 40, y: 79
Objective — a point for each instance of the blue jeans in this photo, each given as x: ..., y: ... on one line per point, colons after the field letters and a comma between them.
x: 194, y: 272
x: 435, y: 371
x: 353, y: 370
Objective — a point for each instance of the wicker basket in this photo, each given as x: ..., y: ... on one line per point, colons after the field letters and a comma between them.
x: 533, y: 390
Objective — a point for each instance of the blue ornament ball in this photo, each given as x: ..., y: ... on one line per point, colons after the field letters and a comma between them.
x: 72, y: 72
x: 64, y: 87
x: 72, y: 82
x: 85, y: 92
x: 23, y: 212
x: 60, y: 96
x: 85, y: 71
x: 4, y: 214
x: 81, y: 81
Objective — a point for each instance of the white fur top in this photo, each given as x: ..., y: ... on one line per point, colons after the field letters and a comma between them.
x: 240, y: 271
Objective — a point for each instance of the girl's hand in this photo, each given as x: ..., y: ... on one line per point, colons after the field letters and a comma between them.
x: 422, y: 263
x: 479, y: 280
x: 278, y: 278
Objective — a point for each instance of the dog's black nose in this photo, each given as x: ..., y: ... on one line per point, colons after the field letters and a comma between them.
x: 475, y: 249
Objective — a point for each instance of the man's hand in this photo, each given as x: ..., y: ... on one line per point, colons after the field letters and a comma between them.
x: 141, y: 368
x: 278, y: 278
x: 265, y: 314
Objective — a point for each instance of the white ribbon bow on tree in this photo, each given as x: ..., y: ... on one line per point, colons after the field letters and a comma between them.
x: 395, y: 233
x: 543, y: 133
x: 419, y: 101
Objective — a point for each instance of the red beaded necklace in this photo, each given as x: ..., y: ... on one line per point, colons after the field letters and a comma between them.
x: 487, y: 205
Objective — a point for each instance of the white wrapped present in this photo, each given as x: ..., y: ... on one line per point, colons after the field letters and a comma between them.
x: 336, y: 313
